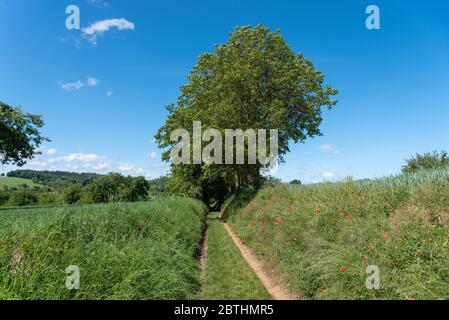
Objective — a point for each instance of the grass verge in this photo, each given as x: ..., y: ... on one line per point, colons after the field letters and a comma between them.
x: 123, y: 251
x: 321, y: 238
x: 228, y: 276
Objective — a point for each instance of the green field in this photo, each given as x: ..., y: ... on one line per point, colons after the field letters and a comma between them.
x: 123, y: 251
x: 16, y: 182
x: 321, y: 238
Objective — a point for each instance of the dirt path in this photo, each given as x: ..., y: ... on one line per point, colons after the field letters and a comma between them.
x: 277, y: 291
x: 203, y: 254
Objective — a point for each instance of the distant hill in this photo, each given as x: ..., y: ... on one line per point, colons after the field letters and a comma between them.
x: 11, y: 182
x: 54, y: 179
x: 64, y: 179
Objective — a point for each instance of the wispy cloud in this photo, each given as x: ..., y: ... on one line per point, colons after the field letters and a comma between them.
x: 328, y: 174
x: 328, y: 148
x: 98, y: 28
x: 92, y: 82
x: 70, y: 86
x: 99, y: 3
x: 77, y: 85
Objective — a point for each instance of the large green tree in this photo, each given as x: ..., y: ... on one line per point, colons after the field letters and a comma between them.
x: 20, y: 135
x: 255, y: 80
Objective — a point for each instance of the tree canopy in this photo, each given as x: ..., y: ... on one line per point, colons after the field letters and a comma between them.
x: 20, y: 136
x: 254, y: 81
x: 426, y: 161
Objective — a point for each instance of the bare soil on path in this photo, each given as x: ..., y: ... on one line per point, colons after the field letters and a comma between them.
x: 277, y: 291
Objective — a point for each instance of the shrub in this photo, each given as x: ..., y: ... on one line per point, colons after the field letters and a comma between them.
x: 426, y: 161
x: 73, y: 194
x: 116, y: 187
x: 22, y: 198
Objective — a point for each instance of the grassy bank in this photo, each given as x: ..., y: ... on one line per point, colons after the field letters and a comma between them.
x: 123, y: 251
x: 228, y: 276
x: 321, y: 238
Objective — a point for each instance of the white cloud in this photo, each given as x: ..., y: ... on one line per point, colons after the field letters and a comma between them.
x: 101, y: 166
x: 328, y: 174
x: 98, y: 28
x: 81, y: 157
x: 328, y: 148
x: 51, y: 151
x: 77, y: 85
x: 92, y: 82
x: 126, y: 167
x: 72, y: 85
x: 153, y: 154
x: 99, y: 3
x: 109, y: 93
x: 325, y: 147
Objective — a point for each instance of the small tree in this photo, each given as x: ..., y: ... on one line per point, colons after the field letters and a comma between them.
x: 19, y: 135
x: 426, y: 161
x: 296, y: 181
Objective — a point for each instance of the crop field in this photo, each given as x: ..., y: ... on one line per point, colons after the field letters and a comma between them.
x: 320, y: 239
x: 16, y: 182
x: 122, y: 251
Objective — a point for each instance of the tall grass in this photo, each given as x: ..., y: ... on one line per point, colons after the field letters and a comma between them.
x: 321, y: 238
x: 123, y: 251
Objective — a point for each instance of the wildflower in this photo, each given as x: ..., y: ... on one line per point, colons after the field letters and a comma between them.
x: 365, y: 258
x: 447, y: 239
x: 318, y: 210
x: 385, y: 235
x: 277, y: 221
x: 350, y: 217
x: 344, y: 269
x: 265, y: 221
x: 340, y: 214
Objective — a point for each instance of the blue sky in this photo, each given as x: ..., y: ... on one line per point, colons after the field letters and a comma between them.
x: 102, y: 102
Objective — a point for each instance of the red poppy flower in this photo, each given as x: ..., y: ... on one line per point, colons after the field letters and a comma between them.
x: 447, y: 239
x: 385, y: 235
x: 277, y: 221
x: 265, y: 221
x: 350, y: 217
x: 344, y: 269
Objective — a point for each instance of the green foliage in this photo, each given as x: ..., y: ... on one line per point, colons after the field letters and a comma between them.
x: 117, y: 188
x: 255, y: 80
x: 73, y: 194
x: 19, y: 135
x: 296, y: 181
x: 308, y: 233
x: 426, y: 161
x: 124, y: 251
x: 22, y: 198
x: 55, y: 179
